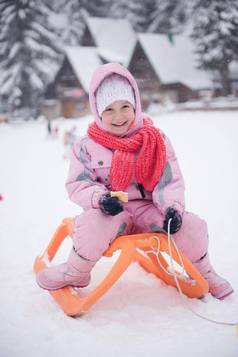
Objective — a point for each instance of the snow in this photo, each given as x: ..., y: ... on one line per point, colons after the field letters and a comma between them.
x: 36, y: 81
x: 13, y: 51
x: 84, y: 61
x: 114, y: 35
x: 46, y: 66
x: 58, y: 21
x: 43, y: 31
x: 9, y: 16
x: 140, y: 315
x: 234, y: 69
x: 9, y: 77
x: 174, y: 62
x: 22, y: 14
x: 109, y: 55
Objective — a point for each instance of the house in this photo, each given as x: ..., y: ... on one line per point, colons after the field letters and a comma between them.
x: 146, y: 77
x: 74, y: 79
x: 99, y: 45
x: 71, y: 84
x: 115, y: 39
x: 165, y: 71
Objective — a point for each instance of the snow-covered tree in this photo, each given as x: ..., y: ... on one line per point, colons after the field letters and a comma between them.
x: 215, y: 33
x: 67, y: 20
x: 29, y: 53
x: 97, y: 8
x: 168, y: 16
x: 139, y: 13
x: 157, y: 16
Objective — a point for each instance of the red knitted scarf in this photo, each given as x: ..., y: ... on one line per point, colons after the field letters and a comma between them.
x: 147, y: 165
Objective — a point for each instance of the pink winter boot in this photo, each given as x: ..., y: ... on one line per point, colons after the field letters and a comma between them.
x: 218, y: 287
x: 76, y: 272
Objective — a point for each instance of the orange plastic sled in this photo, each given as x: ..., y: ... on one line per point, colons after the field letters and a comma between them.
x: 133, y: 248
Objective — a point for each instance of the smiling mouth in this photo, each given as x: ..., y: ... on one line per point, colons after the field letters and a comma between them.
x: 119, y: 125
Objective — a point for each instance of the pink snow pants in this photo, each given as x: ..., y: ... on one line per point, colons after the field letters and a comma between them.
x: 94, y: 231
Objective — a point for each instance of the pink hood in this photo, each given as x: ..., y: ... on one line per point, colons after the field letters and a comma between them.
x: 99, y: 75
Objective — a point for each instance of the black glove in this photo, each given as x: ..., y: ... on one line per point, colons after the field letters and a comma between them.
x: 110, y: 205
x: 176, y: 222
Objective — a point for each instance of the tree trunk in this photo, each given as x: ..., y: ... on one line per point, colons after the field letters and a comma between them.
x: 225, y: 80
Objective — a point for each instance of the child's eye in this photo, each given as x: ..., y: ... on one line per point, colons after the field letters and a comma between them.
x: 108, y: 110
x: 125, y: 106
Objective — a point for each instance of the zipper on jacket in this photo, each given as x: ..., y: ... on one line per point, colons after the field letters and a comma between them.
x: 141, y: 189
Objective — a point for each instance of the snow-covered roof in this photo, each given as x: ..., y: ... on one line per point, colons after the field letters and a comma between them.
x: 114, y: 38
x: 84, y: 61
x: 109, y: 55
x: 174, y: 62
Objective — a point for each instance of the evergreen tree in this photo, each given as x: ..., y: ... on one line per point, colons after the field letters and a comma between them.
x: 67, y: 20
x: 138, y: 13
x: 168, y: 16
x: 29, y: 53
x: 215, y: 33
x: 97, y: 8
x: 157, y: 16
x: 8, y: 51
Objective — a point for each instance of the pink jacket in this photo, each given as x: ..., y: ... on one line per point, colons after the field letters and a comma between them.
x: 90, y: 164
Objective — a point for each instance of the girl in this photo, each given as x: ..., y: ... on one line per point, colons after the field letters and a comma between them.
x: 124, y: 151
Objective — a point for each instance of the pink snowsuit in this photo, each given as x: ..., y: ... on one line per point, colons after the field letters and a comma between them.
x: 89, y: 178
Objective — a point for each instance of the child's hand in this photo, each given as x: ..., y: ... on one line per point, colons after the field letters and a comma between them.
x: 110, y: 205
x: 175, y: 223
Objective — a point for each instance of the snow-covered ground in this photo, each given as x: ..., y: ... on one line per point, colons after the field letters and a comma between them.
x: 140, y: 316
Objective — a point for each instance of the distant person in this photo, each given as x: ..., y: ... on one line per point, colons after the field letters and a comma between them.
x: 70, y: 136
x: 55, y: 131
x: 52, y: 130
x: 49, y: 129
x: 69, y: 140
x: 123, y: 150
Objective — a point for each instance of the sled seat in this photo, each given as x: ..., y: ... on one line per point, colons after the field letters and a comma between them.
x: 137, y: 247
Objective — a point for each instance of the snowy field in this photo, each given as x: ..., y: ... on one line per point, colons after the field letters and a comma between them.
x: 140, y: 316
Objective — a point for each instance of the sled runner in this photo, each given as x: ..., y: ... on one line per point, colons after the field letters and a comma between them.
x: 148, y: 249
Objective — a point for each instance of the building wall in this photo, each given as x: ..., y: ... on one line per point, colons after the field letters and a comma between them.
x: 145, y: 76
x: 71, y: 106
x: 74, y: 107
x: 178, y: 92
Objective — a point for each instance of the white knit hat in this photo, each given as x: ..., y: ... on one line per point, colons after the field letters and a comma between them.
x: 114, y: 87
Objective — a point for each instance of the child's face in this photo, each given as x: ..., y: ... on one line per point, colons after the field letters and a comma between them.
x: 118, y: 117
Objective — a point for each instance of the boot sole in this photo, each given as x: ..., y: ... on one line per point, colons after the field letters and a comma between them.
x: 58, y: 286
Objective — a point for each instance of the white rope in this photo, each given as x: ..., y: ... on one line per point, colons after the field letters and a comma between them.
x: 177, y: 276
